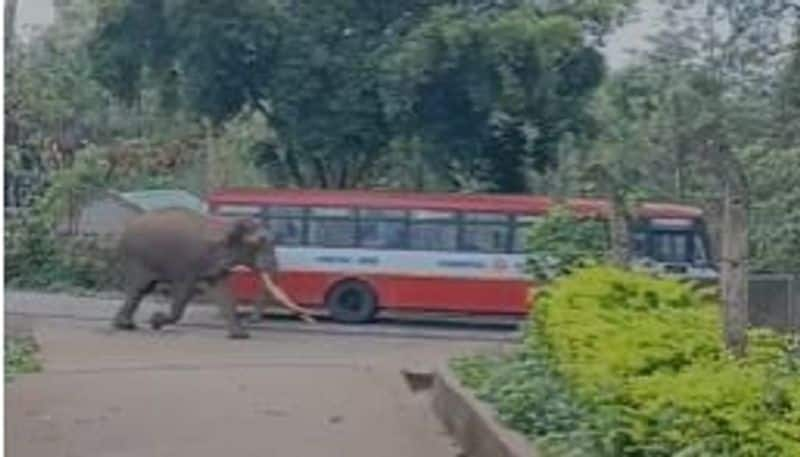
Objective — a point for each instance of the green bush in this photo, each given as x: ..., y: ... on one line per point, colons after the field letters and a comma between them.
x: 20, y: 358
x: 606, y: 324
x: 562, y: 241
x: 36, y: 258
x: 650, y: 352
x: 619, y: 363
x: 31, y: 256
x: 530, y: 397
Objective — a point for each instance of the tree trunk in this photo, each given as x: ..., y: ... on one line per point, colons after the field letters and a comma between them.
x: 714, y: 210
x: 734, y: 271
x: 620, y: 231
x: 619, y: 219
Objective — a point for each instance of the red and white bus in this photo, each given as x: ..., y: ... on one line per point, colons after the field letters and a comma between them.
x: 358, y: 252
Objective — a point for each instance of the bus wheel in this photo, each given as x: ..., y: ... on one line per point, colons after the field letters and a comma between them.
x: 352, y: 302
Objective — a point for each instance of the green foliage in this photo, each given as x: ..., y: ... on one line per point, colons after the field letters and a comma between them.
x: 70, y: 188
x: 642, y: 324
x: 30, y: 251
x: 495, y: 92
x: 620, y: 363
x: 213, y: 58
x: 20, y: 358
x: 562, y: 241
x: 774, y: 178
x: 530, y: 397
x: 717, y: 78
x: 491, y: 88
x: 36, y: 257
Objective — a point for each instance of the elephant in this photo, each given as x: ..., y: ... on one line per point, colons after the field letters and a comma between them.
x: 190, y: 251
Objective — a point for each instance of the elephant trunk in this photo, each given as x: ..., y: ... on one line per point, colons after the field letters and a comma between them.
x: 284, y: 299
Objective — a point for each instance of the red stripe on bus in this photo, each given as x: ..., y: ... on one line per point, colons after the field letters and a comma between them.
x: 518, y: 204
x: 399, y: 292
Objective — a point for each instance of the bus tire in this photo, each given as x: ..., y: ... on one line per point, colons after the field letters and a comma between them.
x: 352, y: 302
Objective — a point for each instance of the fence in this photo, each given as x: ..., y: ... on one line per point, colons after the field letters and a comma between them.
x: 774, y: 301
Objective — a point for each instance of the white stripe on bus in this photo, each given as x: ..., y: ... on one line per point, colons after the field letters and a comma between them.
x: 418, y: 263
x: 411, y: 263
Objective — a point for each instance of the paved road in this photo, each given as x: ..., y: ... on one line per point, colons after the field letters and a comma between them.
x: 449, y: 326
x: 188, y: 391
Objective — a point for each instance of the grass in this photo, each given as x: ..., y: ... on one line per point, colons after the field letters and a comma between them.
x: 20, y: 358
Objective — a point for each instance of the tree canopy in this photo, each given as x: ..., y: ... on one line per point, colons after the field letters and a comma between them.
x: 485, y: 89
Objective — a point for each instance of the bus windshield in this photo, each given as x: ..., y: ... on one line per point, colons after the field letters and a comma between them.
x: 671, y: 246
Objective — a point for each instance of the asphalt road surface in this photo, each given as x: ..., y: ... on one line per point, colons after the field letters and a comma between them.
x: 293, y: 389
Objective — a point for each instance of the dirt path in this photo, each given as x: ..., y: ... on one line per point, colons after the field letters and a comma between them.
x: 190, y: 392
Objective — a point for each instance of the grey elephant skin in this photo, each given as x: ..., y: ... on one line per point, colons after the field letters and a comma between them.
x: 188, y: 252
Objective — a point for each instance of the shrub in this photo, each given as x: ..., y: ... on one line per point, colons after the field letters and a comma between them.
x: 31, y: 256
x: 561, y: 241
x: 20, y: 358
x: 606, y: 324
x: 624, y: 364
x: 36, y: 258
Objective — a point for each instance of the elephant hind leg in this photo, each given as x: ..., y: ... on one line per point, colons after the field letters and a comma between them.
x: 182, y: 294
x: 135, y: 291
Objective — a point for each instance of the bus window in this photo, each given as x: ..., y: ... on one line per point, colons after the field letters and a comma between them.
x: 520, y: 242
x: 484, y: 237
x: 433, y: 231
x: 332, y: 227
x: 699, y: 254
x: 386, y: 234
x: 433, y: 237
x: 639, y: 244
x: 287, y: 231
x: 671, y: 246
x: 286, y: 223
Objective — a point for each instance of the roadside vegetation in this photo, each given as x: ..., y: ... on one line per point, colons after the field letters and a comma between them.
x: 20, y: 357
x: 617, y: 362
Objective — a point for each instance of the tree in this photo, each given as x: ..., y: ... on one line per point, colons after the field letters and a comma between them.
x: 53, y: 105
x: 325, y: 77
x: 774, y: 178
x: 703, y: 69
x: 493, y: 94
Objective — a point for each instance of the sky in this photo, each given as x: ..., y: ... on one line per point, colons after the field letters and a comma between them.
x: 34, y: 13
x: 41, y: 12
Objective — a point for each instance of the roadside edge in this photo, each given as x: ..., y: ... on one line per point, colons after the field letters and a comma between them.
x: 472, y: 423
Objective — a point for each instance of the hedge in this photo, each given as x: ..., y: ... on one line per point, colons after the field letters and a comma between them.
x: 620, y: 363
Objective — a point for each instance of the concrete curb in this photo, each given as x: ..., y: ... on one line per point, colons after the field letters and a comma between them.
x: 472, y: 423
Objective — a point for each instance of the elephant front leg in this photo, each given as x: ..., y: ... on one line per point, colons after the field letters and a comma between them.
x: 182, y: 294
x: 259, y: 310
x: 227, y: 306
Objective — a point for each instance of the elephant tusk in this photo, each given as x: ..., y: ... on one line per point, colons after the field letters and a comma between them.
x: 284, y: 300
